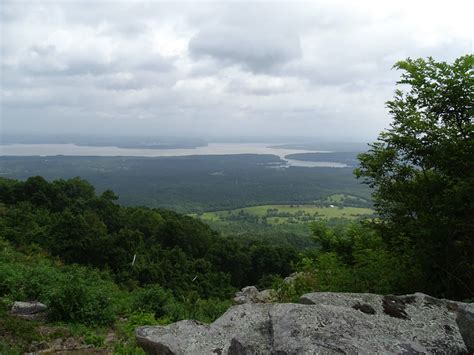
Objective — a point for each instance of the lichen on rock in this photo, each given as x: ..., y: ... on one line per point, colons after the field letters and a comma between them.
x: 323, y: 323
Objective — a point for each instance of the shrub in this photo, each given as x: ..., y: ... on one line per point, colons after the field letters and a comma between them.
x: 153, y: 299
x: 83, y: 296
x: 92, y: 338
x: 193, y: 307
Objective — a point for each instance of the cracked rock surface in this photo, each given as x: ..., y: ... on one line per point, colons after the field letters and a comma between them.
x: 324, y: 323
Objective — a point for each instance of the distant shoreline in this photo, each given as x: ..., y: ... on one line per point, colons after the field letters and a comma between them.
x: 45, y: 150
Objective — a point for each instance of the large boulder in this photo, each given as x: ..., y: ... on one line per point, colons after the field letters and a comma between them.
x: 29, y: 310
x: 323, y: 323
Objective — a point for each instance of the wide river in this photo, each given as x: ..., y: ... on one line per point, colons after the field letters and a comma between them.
x: 210, y: 149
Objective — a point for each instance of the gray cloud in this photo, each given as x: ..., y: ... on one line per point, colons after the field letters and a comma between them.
x: 295, y: 68
x: 254, y: 50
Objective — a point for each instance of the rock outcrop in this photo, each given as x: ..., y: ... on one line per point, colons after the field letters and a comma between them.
x: 324, y: 323
x: 29, y: 310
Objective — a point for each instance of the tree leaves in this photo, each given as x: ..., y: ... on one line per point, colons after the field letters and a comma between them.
x: 422, y: 172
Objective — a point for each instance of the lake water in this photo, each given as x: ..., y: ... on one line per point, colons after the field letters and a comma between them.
x: 210, y: 149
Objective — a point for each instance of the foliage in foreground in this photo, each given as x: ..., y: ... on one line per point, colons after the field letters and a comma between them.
x: 422, y: 172
x: 137, y: 246
x: 94, y: 262
x: 351, y: 258
x: 82, y: 301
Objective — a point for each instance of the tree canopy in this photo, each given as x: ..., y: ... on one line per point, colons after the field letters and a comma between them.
x: 422, y: 172
x: 67, y: 219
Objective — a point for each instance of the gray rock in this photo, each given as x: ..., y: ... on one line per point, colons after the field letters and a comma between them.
x: 192, y: 337
x: 29, y: 310
x: 28, y: 307
x: 465, y: 322
x: 246, y: 295
x: 326, y: 323
x: 250, y: 294
x: 266, y: 296
x: 37, y: 346
x: 292, y: 278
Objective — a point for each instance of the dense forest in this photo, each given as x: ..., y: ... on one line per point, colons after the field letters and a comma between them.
x: 68, y: 220
x: 193, y: 184
x: 97, y: 248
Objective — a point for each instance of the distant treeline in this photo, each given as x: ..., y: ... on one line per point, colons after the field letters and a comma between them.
x: 193, y: 183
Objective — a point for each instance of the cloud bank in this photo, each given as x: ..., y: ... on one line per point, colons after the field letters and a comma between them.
x: 215, y: 69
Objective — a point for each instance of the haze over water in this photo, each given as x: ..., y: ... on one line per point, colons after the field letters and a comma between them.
x: 210, y: 149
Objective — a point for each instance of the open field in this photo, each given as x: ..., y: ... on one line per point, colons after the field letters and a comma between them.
x: 338, y: 206
x: 277, y: 214
x: 285, y: 223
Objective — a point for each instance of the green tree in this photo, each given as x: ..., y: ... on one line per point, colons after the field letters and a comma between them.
x: 422, y: 172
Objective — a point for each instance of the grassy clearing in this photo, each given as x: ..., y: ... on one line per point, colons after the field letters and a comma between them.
x: 287, y: 223
x: 279, y: 214
x: 328, y: 212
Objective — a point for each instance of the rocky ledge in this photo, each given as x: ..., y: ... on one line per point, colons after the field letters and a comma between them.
x: 324, y: 323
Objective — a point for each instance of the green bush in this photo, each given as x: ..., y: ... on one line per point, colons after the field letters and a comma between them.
x: 128, y: 349
x: 83, y: 296
x: 153, y: 299
x: 126, y: 327
x: 16, y: 334
x: 193, y: 307
x: 351, y: 258
x: 155, y: 305
x: 305, y: 282
x: 25, y: 276
x: 92, y: 338
x: 8, y: 350
x: 73, y: 293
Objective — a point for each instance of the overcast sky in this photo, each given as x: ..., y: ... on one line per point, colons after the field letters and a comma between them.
x: 320, y: 68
